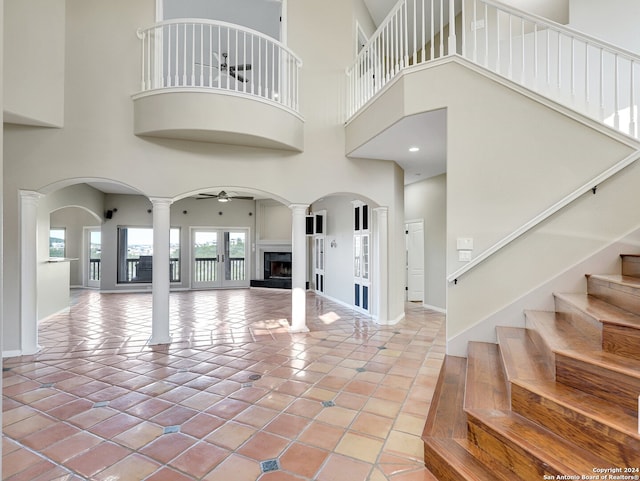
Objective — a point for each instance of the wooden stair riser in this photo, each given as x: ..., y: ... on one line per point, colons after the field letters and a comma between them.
x: 625, y: 297
x: 630, y: 265
x: 621, y: 340
x: 450, y: 461
x: 548, y: 355
x: 578, y: 318
x: 496, y: 448
x: 598, y: 381
x: 610, y: 443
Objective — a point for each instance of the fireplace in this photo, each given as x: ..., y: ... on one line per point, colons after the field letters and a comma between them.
x: 277, y: 265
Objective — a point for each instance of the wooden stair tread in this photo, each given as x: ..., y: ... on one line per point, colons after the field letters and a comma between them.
x: 461, y: 464
x: 627, y: 281
x: 608, y: 413
x: 553, y: 451
x: 559, y: 334
x: 521, y: 358
x: 446, y: 417
x: 623, y: 365
x: 600, y: 310
x: 486, y: 386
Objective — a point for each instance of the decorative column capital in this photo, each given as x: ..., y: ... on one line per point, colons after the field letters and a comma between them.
x: 299, y: 208
x: 31, y: 196
x: 161, y: 201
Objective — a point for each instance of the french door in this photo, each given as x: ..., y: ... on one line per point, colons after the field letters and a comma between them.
x: 219, y: 258
x: 93, y: 256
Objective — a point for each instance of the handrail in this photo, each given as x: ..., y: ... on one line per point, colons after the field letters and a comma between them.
x: 591, y: 185
x: 209, y: 54
x: 564, y: 28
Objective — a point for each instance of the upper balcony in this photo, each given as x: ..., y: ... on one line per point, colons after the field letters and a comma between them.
x: 217, y: 82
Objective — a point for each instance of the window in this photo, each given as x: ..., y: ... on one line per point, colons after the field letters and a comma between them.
x: 57, y: 242
x: 135, y: 254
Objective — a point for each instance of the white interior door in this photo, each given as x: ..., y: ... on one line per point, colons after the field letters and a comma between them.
x: 415, y: 261
x: 219, y: 258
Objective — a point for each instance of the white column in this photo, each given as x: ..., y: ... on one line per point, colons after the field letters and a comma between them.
x: 381, y: 264
x: 298, y: 269
x: 29, y: 271
x: 161, y: 280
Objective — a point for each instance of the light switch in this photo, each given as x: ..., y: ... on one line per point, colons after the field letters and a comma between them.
x: 464, y: 256
x: 465, y: 243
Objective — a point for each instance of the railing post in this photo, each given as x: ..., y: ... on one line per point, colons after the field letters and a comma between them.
x: 452, y: 28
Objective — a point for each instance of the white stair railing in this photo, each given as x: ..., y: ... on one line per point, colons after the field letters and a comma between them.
x: 207, y: 54
x: 588, y: 75
x: 414, y: 32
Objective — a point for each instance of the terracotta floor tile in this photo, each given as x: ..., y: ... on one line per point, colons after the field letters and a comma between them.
x: 201, y: 425
x: 373, y: 425
x: 50, y: 435
x: 263, y: 446
x: 236, y: 468
x: 220, y: 424
x: 97, y: 458
x: 287, y: 425
x: 168, y: 474
x: 231, y: 435
x: 139, y: 435
x: 134, y: 467
x: 359, y: 446
x: 228, y: 408
x: 342, y: 468
x: 256, y: 416
x: 200, y: 459
x: 322, y: 435
x: 71, y: 446
x: 168, y: 446
x: 303, y: 460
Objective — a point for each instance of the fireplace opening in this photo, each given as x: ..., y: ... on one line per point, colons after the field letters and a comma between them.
x: 277, y: 265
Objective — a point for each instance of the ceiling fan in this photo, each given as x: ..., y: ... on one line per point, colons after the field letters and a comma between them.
x: 222, y: 196
x: 226, y: 69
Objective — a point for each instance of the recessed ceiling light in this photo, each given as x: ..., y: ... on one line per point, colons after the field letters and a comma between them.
x: 414, y: 149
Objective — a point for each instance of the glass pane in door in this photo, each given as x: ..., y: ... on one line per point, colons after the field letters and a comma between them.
x: 235, y: 256
x: 205, y: 256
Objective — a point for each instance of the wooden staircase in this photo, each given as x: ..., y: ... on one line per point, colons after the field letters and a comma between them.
x: 559, y: 398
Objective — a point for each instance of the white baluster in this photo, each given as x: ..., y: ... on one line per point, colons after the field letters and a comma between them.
x: 475, y: 31
x: 522, y: 73
x: 616, y: 87
x: 184, y: 58
x: 441, y: 28
x: 510, y: 67
x: 573, y: 67
x: 452, y: 28
x: 632, y: 101
x: 415, y: 33
x: 433, y: 34
x: 193, y: 54
x: 424, y: 44
x: 201, y: 55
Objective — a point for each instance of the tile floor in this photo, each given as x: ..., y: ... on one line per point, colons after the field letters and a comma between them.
x: 235, y: 397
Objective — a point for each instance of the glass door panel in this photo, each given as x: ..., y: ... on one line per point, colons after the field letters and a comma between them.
x: 206, y: 258
x: 94, y: 250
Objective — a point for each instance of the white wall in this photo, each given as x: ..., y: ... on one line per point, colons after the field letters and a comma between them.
x: 615, y: 21
x: 427, y: 200
x: 34, y: 62
x: 102, y: 70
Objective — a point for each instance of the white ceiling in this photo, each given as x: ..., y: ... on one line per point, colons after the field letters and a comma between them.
x: 428, y: 131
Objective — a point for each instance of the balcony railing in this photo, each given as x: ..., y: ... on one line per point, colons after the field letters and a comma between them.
x: 206, y: 269
x: 207, y: 54
x: 587, y: 75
